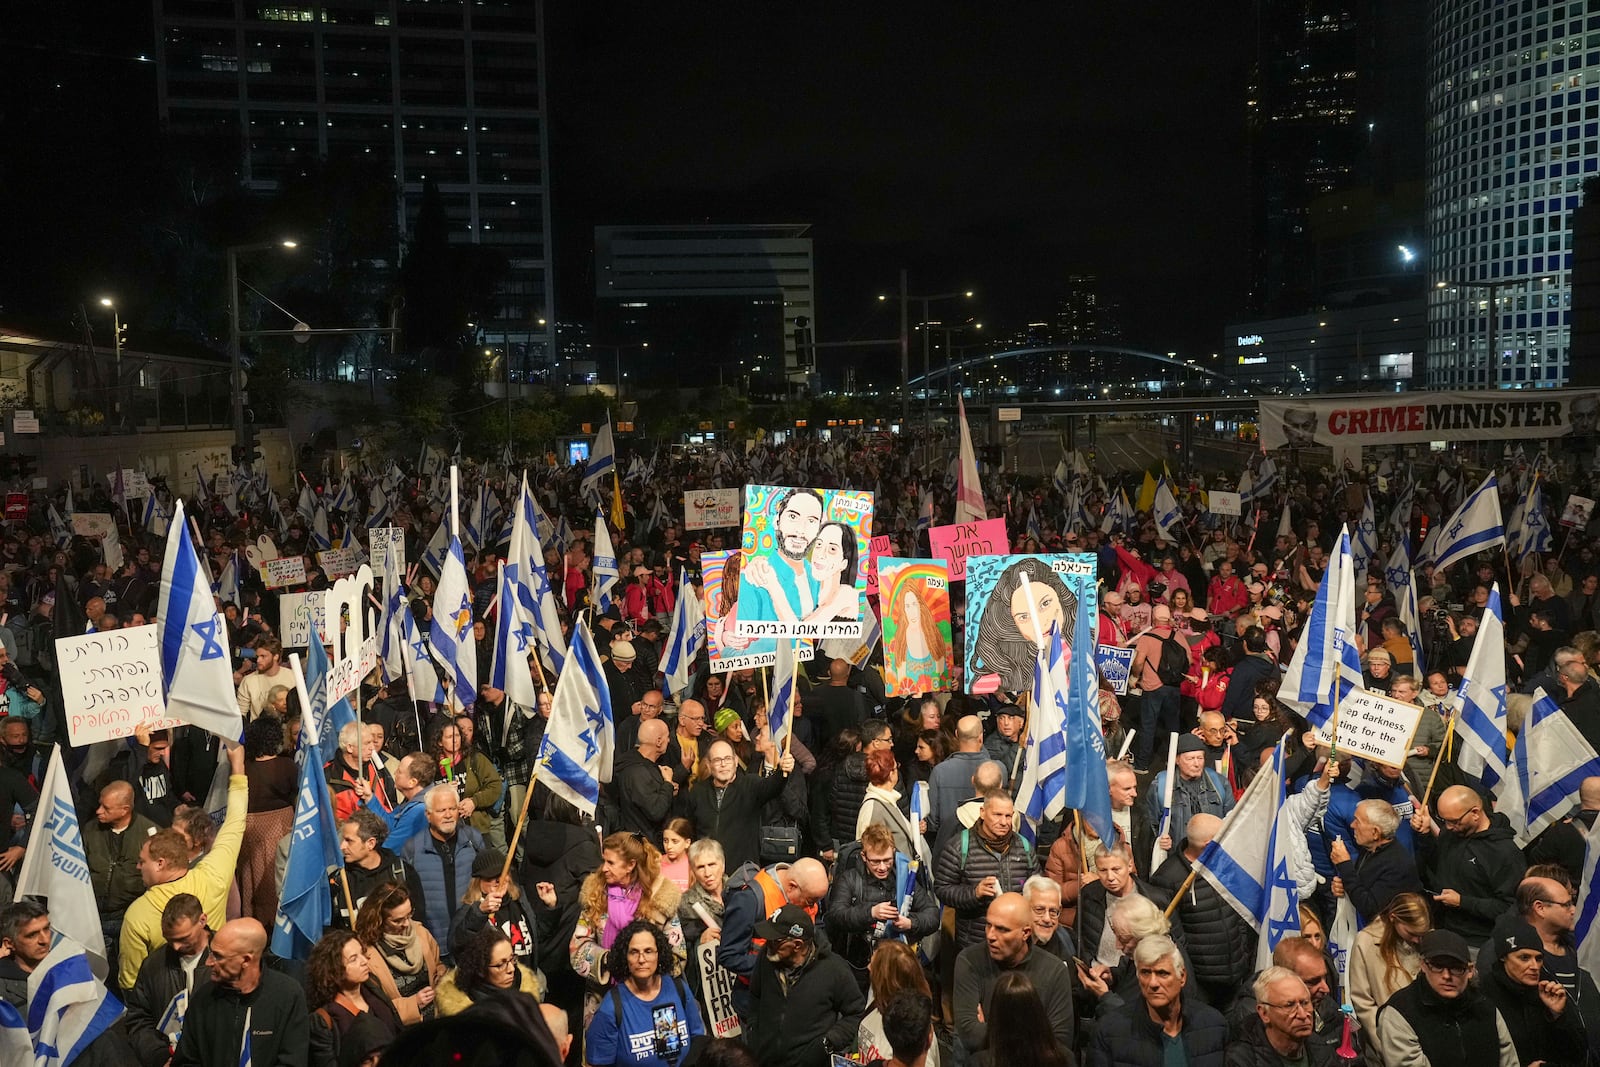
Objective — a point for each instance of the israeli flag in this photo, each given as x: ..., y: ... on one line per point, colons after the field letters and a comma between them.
x: 345, y: 499
x: 1400, y: 514
x: 1326, y: 664
x: 1247, y: 862
x: 685, y: 639
x: 226, y: 586
x: 306, y: 506
x: 1587, y: 932
x: 1481, y: 700
x: 925, y: 514
x: 194, y: 641
x: 1165, y: 510
x: 602, y: 457
x: 1364, y: 539
x: 606, y: 574
x: 321, y: 537
x: 1262, y: 482
x: 1061, y: 476
x: 246, y: 1057
x: 1530, y: 527
x: 1035, y: 531
x: 525, y: 564
x: 513, y: 640
x: 15, y: 1044
x: 451, y: 628
x: 438, y: 547
x: 575, y: 753
x: 422, y: 673
x: 1550, y: 761
x: 54, y: 866
x: 68, y: 1005
x: 379, y: 508
x: 61, y: 532
x: 780, y: 711
x: 305, y: 909
x: 1401, y: 581
x: 1473, y: 527
x: 919, y: 811
x: 157, y: 519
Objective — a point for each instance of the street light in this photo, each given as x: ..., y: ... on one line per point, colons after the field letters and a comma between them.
x: 116, y: 345
x: 234, y: 356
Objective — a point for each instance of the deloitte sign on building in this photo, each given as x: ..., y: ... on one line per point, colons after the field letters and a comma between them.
x: 1349, y: 349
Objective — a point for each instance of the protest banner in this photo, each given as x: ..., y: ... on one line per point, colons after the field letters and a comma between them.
x: 278, y: 573
x: 804, y: 553
x: 710, y: 509
x: 338, y: 562
x: 716, y: 993
x: 727, y: 651
x: 1375, y: 727
x: 111, y: 684
x: 878, y: 546
x: 1578, y: 512
x: 386, y: 543
x: 1414, y: 417
x: 297, y: 614
x: 1115, y: 663
x: 1223, y: 503
x: 959, y: 540
x: 1009, y: 621
x: 93, y: 524
x: 916, y: 625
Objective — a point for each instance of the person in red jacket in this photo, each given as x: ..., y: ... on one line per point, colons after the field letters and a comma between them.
x: 1226, y: 594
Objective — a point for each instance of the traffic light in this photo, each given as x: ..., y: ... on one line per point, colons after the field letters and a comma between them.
x: 122, y: 334
x: 248, y: 450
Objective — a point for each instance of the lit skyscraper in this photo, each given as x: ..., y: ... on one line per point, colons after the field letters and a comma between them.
x: 1514, y: 125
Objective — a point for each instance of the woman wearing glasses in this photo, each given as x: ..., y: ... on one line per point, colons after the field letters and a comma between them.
x: 628, y: 886
x: 649, y: 1016
x: 485, y: 968
x: 402, y: 954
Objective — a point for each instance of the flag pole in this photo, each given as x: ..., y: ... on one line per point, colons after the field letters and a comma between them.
x: 1449, y: 732
x: 1172, y: 905
x: 344, y: 881
x: 522, y: 818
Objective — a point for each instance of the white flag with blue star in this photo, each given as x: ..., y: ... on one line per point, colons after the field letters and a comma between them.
x: 1473, y: 527
x: 1247, y: 862
x: 575, y: 753
x: 194, y: 640
x: 606, y: 573
x: 451, y: 629
x: 513, y: 641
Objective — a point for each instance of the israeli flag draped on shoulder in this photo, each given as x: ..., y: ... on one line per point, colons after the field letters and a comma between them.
x: 606, y: 573
x: 1326, y: 664
x: 69, y: 1007
x: 685, y: 638
x: 602, y: 457
x: 513, y: 640
x: 305, y: 909
x: 575, y: 753
x: 1473, y: 527
x: 1481, y: 700
x: 194, y: 640
x: 1247, y: 862
x: 780, y: 710
x: 54, y: 866
x: 1550, y: 762
x: 451, y: 628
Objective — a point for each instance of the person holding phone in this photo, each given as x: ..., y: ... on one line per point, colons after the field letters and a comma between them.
x: 649, y: 1016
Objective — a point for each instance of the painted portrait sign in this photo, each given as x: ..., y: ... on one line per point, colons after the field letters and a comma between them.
x: 915, y: 594
x: 1012, y: 604
x: 804, y: 562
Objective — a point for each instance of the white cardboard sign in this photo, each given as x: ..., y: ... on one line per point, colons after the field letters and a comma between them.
x: 111, y: 683
x: 1375, y: 727
x: 297, y: 614
x: 710, y: 509
x: 277, y: 573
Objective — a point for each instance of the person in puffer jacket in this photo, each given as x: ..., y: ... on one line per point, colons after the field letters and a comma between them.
x: 979, y: 864
x: 1221, y: 945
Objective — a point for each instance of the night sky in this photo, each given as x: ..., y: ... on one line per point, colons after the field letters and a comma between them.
x: 997, y: 147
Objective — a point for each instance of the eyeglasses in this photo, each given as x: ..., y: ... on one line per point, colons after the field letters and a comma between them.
x: 1451, y: 824
x: 1293, y: 1007
x: 503, y: 965
x: 1558, y: 903
x: 1043, y: 911
x: 644, y: 952
x: 720, y: 760
x: 1454, y: 969
x: 877, y: 861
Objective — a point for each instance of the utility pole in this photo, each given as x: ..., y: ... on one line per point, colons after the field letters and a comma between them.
x: 905, y: 352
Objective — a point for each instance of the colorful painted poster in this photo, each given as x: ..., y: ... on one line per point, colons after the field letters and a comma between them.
x: 915, y: 594
x: 1013, y: 602
x: 720, y: 590
x: 805, y: 555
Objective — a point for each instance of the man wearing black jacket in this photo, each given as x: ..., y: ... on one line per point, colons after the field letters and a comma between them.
x: 864, y: 903
x: 367, y: 865
x: 642, y: 787
x: 1250, y: 672
x: 727, y: 805
x: 1221, y: 945
x: 176, y: 968
x: 1471, y: 863
x: 238, y: 988
x: 1381, y: 869
x: 804, y: 1006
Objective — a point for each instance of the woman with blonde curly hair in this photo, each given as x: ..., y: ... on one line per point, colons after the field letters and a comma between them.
x: 629, y: 885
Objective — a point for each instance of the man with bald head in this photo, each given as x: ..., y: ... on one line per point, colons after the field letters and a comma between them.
x: 1221, y: 945
x: 949, y: 781
x: 1470, y: 862
x: 111, y: 846
x: 641, y: 786
x: 750, y: 899
x: 1563, y: 843
x: 238, y: 991
x: 1008, y: 946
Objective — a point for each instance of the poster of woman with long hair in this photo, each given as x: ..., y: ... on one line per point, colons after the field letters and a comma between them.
x: 916, y: 625
x: 1009, y: 619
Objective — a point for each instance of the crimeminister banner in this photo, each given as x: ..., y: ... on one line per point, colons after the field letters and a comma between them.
x: 1396, y: 418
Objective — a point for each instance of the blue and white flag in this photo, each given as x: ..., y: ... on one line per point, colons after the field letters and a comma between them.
x: 321, y: 721
x: 1061, y: 476
x: 685, y: 638
x: 1530, y: 526
x: 390, y: 637
x: 925, y: 513
x: 1247, y: 862
x: 321, y: 537
x: 602, y: 457
x: 304, y: 908
x: 69, y: 1006
x: 1262, y: 482
x: 1587, y: 931
x: 226, y: 587
x: 379, y: 508
x: 919, y: 811
x: 1065, y: 765
x: 1481, y: 700
x: 246, y: 1055
x: 157, y: 519
x: 525, y: 564
x: 606, y: 573
x: 422, y: 673
x: 513, y: 641
x: 195, y: 665
x: 780, y: 710
x: 1473, y: 527
x: 15, y: 1044
x: 451, y: 629
x: 430, y: 461
x: 1165, y: 511
x: 59, y: 530
x: 1399, y: 521
x: 438, y: 547
x: 1118, y: 513
x: 1364, y: 540
x: 345, y: 498
x: 575, y: 753
x: 1401, y: 582
x: 1034, y: 530
x: 1550, y: 762
x: 54, y: 865
x: 1326, y: 664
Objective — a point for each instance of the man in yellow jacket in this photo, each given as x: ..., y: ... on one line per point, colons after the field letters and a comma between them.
x: 164, y: 866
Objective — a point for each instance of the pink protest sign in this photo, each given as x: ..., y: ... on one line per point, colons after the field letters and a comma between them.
x: 954, y: 543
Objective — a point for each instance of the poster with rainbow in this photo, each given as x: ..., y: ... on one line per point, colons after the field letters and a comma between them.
x: 915, y: 594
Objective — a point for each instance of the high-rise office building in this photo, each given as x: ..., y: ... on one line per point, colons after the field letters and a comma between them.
x: 1514, y: 103
x: 439, y: 90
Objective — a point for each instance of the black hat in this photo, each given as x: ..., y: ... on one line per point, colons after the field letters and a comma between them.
x: 791, y: 921
x: 1512, y: 937
x: 1010, y: 709
x: 1190, y: 743
x: 489, y: 863
x: 1445, y: 945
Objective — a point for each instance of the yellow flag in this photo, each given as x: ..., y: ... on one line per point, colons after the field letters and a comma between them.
x: 618, y: 516
x: 1147, y: 493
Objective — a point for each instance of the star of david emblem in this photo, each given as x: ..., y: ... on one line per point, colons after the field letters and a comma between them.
x: 523, y: 634
x: 1457, y: 526
x: 1282, y: 887
x: 207, y: 630
x: 1395, y: 575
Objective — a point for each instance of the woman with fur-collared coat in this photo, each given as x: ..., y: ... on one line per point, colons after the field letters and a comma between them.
x: 628, y: 885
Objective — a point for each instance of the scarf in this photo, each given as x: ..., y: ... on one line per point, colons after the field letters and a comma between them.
x: 398, y: 949
x: 622, y: 903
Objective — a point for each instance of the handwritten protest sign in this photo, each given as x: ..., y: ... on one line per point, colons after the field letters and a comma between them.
x: 1224, y: 503
x: 954, y: 543
x: 338, y: 562
x: 277, y: 573
x: 709, y: 509
x: 716, y: 989
x: 350, y: 620
x: 111, y: 683
x: 878, y: 546
x: 1115, y: 663
x: 297, y: 613
x: 93, y: 524
x: 388, y: 543
x: 1376, y: 727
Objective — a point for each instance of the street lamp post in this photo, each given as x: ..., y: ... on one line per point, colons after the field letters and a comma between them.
x: 235, y: 357
x: 927, y: 397
x: 116, y: 347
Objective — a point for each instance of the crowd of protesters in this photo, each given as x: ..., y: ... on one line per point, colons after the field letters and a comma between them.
x: 784, y: 871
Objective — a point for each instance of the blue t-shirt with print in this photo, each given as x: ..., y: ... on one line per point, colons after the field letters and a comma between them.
x: 673, y: 1015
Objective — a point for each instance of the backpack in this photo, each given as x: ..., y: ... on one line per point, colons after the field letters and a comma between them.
x: 1174, y: 662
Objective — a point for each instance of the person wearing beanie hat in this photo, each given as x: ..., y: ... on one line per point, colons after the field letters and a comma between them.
x: 491, y: 900
x: 1442, y: 1016
x: 626, y: 678
x: 725, y: 718
x: 1544, y: 1023
x: 1198, y: 789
